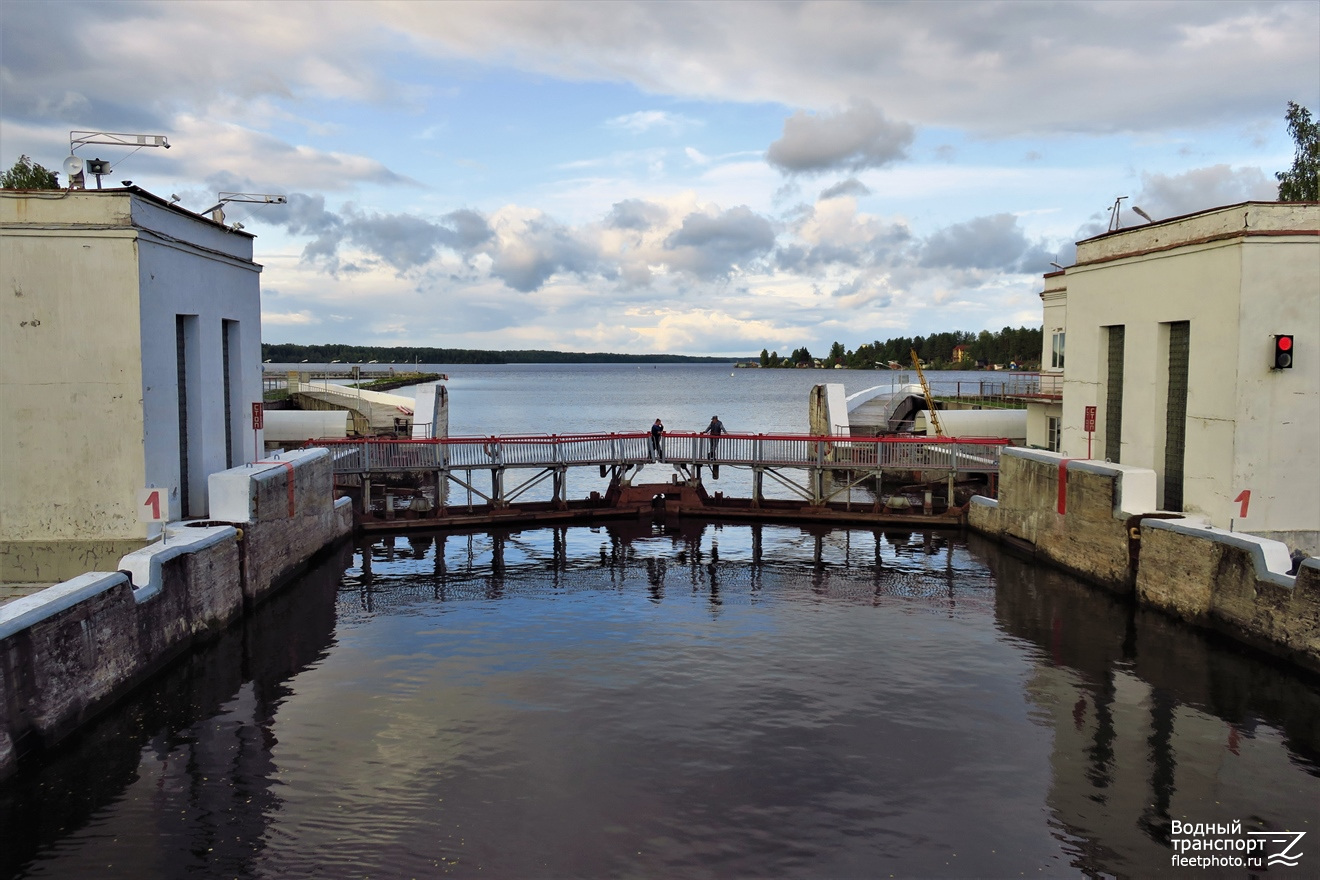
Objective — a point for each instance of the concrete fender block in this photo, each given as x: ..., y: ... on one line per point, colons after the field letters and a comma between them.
x: 23, y: 613
x: 144, y: 566
x: 1135, y: 486
x: 261, y: 490
x: 343, y: 517
x: 1270, y: 558
x: 1039, y: 456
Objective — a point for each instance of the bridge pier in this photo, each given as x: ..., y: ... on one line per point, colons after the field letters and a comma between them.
x: 559, y: 493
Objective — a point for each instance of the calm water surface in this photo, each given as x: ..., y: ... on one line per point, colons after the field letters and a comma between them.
x: 676, y: 699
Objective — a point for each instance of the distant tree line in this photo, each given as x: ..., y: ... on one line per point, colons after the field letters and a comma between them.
x: 1020, y: 347
x: 288, y: 353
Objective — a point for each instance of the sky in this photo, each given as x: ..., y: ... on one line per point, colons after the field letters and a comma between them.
x: 643, y: 177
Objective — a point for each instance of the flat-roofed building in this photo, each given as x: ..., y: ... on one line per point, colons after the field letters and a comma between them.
x: 1171, y: 331
x: 130, y: 337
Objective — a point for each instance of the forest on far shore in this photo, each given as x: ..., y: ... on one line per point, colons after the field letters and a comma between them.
x: 288, y: 353
x: 1019, y: 349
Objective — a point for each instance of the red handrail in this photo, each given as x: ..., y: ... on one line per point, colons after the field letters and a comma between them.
x: 577, y: 438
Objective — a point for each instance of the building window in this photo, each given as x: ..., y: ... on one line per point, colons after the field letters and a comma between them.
x: 1113, y: 393
x: 1056, y: 350
x: 1054, y: 431
x: 1175, y: 424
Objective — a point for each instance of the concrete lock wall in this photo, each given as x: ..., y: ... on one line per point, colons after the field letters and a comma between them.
x: 1090, y: 537
x: 69, y: 651
x: 1234, y: 583
x: 1110, y: 533
x: 290, y: 501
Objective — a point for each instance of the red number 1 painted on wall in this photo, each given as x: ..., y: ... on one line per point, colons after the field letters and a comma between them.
x: 1244, y: 498
x: 153, y: 505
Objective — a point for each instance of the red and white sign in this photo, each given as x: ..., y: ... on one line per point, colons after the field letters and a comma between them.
x: 258, y: 417
x: 153, y: 505
x: 1089, y: 424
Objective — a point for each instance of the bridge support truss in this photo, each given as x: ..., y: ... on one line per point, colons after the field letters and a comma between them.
x: 818, y: 472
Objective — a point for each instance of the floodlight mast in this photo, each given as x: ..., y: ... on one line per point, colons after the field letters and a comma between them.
x: 109, y: 138
x: 116, y: 139
x: 251, y: 198
x: 259, y: 198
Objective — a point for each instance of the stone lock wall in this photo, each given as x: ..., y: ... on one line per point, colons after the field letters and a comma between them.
x: 1233, y: 583
x: 69, y: 651
x: 287, y: 509
x: 1090, y: 536
x: 1105, y: 529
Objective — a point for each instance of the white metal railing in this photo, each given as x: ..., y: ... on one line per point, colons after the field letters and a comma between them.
x: 750, y: 450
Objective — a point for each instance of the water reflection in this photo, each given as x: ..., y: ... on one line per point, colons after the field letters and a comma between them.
x: 185, y: 761
x: 833, y: 563
x: 677, y: 698
x: 1153, y: 722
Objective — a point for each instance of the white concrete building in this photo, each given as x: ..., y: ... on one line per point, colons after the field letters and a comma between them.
x: 130, y: 338
x: 1170, y: 331
x: 1045, y: 409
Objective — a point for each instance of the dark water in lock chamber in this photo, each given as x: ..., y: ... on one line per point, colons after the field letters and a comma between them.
x: 678, y: 699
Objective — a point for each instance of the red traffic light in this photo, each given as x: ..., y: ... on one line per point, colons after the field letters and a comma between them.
x: 1283, y: 351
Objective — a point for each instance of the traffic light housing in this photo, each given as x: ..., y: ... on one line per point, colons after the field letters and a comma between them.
x: 1283, y: 351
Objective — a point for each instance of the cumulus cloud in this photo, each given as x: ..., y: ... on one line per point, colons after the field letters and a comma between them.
x: 402, y: 241
x: 833, y: 233
x: 710, y: 245
x: 1171, y: 195
x: 856, y: 137
x: 531, y: 250
x: 850, y: 187
x: 994, y: 242
x: 866, y: 290
x: 305, y: 214
x: 636, y: 214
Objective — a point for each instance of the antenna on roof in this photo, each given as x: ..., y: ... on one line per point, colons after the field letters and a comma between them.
x: 1115, y: 218
x: 73, y: 171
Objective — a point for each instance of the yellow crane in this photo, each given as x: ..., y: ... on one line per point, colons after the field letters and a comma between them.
x: 930, y: 400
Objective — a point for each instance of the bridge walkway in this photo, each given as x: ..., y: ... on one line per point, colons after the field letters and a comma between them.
x: 815, y: 469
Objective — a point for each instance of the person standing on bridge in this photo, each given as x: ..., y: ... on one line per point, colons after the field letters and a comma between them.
x: 657, y: 437
x: 714, y: 429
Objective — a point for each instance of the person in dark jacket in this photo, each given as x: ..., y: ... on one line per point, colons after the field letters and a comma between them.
x: 657, y: 440
x: 714, y: 429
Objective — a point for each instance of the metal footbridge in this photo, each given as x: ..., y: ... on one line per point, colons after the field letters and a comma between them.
x: 816, y: 470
